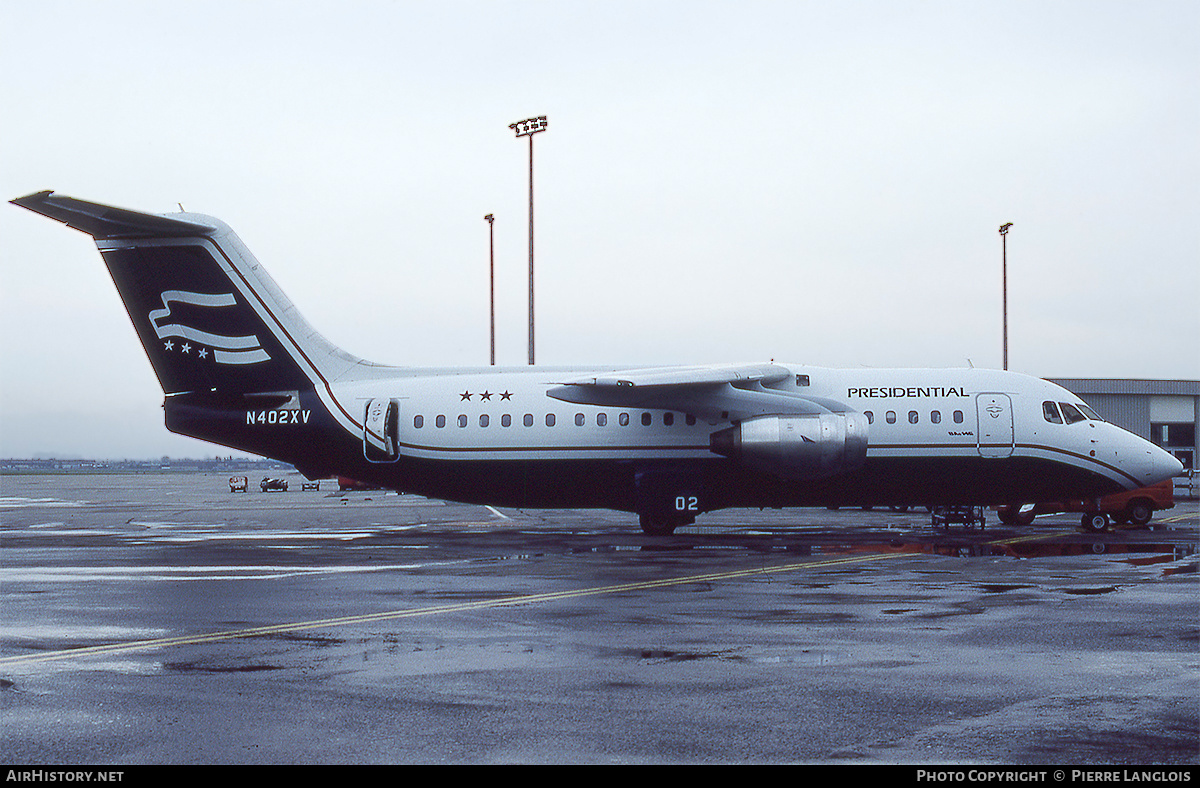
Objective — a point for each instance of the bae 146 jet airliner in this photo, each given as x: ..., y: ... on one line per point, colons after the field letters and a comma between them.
x: 241, y: 368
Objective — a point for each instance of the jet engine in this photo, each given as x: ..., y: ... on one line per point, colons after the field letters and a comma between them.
x: 797, y: 446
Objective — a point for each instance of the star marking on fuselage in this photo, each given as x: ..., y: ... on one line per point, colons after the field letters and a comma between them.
x: 506, y: 395
x: 185, y: 347
x: 465, y: 395
x: 486, y: 396
x: 170, y: 344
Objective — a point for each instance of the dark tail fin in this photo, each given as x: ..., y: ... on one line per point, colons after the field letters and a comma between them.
x: 208, y: 315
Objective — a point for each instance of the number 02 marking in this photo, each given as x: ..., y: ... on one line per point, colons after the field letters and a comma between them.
x: 687, y: 503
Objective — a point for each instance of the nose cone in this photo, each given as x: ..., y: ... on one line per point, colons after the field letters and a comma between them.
x: 1156, y: 465
x: 1165, y: 465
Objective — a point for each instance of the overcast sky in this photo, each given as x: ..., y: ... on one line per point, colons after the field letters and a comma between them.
x: 811, y: 182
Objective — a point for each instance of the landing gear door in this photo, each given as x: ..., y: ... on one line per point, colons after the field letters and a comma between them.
x: 381, y: 430
x: 995, y: 434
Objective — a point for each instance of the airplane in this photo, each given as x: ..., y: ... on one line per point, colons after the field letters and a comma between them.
x: 240, y: 367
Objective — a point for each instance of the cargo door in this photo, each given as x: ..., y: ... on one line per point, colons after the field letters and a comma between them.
x: 381, y: 430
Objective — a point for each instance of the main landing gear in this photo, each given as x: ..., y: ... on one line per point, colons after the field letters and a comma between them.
x: 663, y: 524
x: 667, y: 498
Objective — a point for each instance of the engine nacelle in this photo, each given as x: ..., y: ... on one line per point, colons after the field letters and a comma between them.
x: 797, y: 447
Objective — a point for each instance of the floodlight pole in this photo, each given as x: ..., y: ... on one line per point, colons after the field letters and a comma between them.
x: 492, y: 280
x: 527, y: 128
x: 1004, y: 284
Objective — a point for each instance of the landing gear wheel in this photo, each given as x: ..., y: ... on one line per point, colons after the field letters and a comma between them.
x: 1139, y: 512
x: 658, y: 525
x: 1095, y: 522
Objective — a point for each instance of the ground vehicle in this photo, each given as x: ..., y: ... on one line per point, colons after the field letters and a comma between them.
x: 273, y: 485
x: 970, y: 516
x: 1132, y: 506
x: 238, y: 483
x: 346, y: 483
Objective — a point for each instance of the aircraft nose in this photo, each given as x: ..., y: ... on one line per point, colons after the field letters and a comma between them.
x: 1157, y: 465
x: 1165, y: 465
x: 1146, y: 463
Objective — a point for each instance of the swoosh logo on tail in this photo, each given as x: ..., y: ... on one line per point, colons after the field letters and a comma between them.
x: 226, y: 349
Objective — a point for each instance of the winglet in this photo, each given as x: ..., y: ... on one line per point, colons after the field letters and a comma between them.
x: 105, y: 221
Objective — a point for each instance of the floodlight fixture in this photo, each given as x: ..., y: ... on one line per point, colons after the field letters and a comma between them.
x: 529, y: 126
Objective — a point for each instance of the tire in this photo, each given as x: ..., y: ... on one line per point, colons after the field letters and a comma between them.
x: 657, y: 525
x: 1095, y: 522
x: 1139, y: 511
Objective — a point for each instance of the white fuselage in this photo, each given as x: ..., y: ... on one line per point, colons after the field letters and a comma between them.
x: 481, y: 414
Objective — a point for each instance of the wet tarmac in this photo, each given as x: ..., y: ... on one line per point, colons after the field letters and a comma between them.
x: 161, y: 619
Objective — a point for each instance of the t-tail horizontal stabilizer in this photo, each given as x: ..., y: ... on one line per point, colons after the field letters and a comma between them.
x: 104, y: 221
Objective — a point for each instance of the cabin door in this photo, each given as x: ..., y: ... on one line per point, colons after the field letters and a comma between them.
x: 994, y: 437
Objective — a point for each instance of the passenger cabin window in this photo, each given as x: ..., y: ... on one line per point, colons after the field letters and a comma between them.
x: 579, y: 419
x: 958, y: 417
x: 935, y: 416
x: 913, y: 417
x: 668, y: 419
x: 1071, y: 413
x: 483, y: 420
x: 418, y: 422
x: 506, y: 420
x: 440, y: 421
x: 601, y: 419
x: 623, y: 419
x: 891, y: 417
x: 646, y: 419
x: 870, y: 416
x: 1050, y: 413
x: 549, y: 419
x: 462, y: 420
x: 528, y: 420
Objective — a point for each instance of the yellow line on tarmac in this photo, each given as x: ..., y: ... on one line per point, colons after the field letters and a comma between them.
x: 366, y: 618
x: 1034, y: 538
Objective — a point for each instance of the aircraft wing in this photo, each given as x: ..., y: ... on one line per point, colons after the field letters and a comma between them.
x: 717, y: 393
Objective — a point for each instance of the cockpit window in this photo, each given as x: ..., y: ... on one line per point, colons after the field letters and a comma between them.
x: 1071, y: 413
x: 1050, y: 412
x: 1091, y: 414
